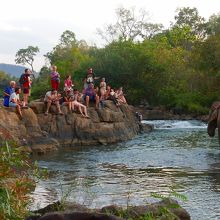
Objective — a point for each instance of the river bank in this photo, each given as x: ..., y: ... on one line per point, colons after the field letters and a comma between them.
x: 164, y: 209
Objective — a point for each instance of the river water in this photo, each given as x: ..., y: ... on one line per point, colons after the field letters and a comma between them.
x: 177, y: 154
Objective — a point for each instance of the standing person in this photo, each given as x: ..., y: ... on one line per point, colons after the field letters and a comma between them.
x: 55, y: 78
x: 90, y: 78
x: 68, y: 84
x: 7, y: 92
x: 25, y: 83
x: 14, y: 100
x: 102, y: 86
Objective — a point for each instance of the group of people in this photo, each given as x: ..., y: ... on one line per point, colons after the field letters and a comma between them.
x: 12, y: 93
x: 71, y: 97
x: 81, y: 100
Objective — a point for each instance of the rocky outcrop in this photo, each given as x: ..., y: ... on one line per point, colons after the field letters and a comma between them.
x: 25, y: 132
x: 48, y: 132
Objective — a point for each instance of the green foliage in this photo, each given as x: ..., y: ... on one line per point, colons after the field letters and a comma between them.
x: 190, y: 17
x: 16, y: 181
x: 177, y: 67
x: 42, y: 84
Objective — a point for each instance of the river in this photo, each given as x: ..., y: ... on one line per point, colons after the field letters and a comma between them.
x: 177, y: 154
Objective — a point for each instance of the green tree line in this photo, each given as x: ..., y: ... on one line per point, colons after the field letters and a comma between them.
x: 178, y: 67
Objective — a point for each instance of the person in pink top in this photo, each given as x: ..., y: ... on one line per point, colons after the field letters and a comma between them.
x: 55, y: 78
x: 68, y: 84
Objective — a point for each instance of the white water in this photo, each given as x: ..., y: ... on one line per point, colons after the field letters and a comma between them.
x: 175, y: 124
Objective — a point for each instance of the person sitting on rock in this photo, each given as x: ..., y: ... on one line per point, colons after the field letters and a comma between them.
x: 14, y: 101
x: 90, y: 95
x: 66, y: 100
x: 112, y: 96
x: 75, y: 103
x: 52, y: 97
x: 120, y: 96
x: 7, y: 92
x: 107, y: 92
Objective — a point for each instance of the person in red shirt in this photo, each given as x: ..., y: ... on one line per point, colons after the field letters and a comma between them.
x: 68, y: 84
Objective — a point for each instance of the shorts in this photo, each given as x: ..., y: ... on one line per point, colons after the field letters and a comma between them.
x: 12, y: 104
x: 91, y: 98
x: 26, y: 90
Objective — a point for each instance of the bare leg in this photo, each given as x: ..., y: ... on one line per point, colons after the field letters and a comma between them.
x: 58, y: 107
x: 69, y: 106
x: 85, y: 111
x: 48, y: 106
x: 80, y: 110
x: 87, y: 101
x: 18, y: 108
x: 72, y: 105
x: 25, y: 96
x: 97, y: 101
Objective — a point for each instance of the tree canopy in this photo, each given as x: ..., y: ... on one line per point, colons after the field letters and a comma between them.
x: 177, y: 67
x: 26, y: 56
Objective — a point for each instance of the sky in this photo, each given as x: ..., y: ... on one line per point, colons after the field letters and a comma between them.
x: 40, y: 23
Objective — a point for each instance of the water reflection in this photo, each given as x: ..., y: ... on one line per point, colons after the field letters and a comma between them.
x: 131, y: 171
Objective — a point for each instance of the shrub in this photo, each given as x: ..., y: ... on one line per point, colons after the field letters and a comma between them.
x: 16, y: 181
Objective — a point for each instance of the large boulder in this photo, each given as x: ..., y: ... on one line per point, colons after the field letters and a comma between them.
x: 44, y: 133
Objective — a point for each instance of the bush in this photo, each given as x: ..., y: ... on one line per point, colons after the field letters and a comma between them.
x: 16, y: 181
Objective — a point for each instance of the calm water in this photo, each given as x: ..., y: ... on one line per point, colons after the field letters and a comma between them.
x: 176, y: 154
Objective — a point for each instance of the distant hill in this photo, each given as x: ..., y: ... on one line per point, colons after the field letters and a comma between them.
x: 13, y: 70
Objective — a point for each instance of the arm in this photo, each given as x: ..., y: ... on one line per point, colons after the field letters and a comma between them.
x: 6, y: 94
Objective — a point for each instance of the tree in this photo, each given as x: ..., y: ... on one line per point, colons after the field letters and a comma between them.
x: 213, y: 25
x: 68, y: 39
x: 130, y: 26
x: 190, y: 17
x: 26, y: 56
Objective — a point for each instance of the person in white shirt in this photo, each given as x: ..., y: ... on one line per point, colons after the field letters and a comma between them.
x: 15, y: 102
x: 52, y: 97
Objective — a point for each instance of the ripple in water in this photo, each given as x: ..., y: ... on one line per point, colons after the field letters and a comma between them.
x: 176, y: 154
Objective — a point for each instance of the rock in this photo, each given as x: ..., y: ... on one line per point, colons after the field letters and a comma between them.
x: 26, y: 132
x: 45, y: 133
x: 78, y: 216
x: 154, y: 209
x: 145, y: 128
x: 75, y: 211
x: 38, y: 107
